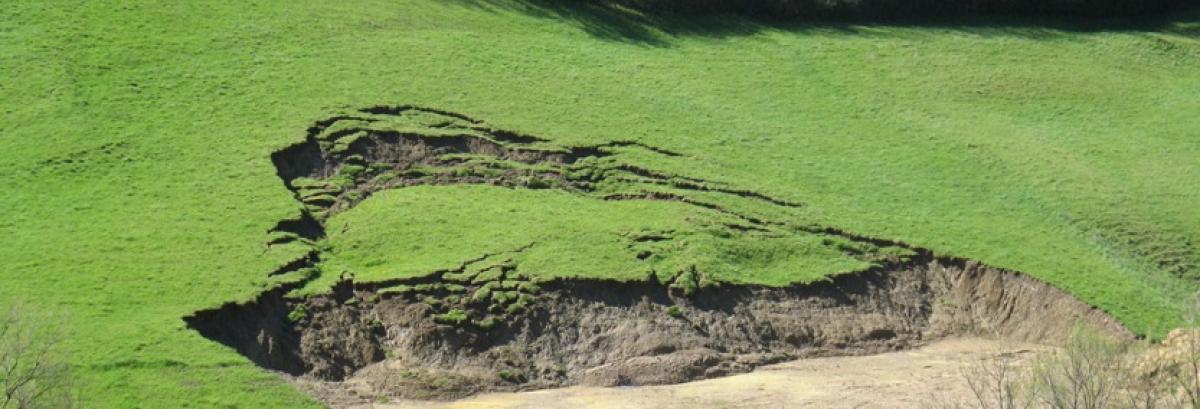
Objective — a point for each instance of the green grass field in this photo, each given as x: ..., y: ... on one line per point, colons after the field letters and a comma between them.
x: 135, y: 142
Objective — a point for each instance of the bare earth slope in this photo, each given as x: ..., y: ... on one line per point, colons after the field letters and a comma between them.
x: 895, y: 380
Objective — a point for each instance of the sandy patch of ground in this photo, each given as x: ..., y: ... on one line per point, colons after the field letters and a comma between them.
x: 893, y: 380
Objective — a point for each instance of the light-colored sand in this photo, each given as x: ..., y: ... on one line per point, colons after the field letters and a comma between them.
x: 893, y: 380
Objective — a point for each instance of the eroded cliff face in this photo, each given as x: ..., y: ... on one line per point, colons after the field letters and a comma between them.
x: 608, y: 333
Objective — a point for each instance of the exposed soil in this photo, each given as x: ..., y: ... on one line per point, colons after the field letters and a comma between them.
x: 613, y: 334
x: 896, y: 380
x: 478, y: 328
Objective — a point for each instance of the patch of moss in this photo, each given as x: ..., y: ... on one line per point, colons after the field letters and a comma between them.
x: 308, y: 183
x: 320, y: 200
x: 316, y: 191
x: 489, y: 275
x: 432, y: 301
x: 688, y: 281
x: 487, y: 323
x: 342, y: 181
x: 504, y: 297
x: 535, y: 182
x: 521, y: 304
x: 463, y: 277
x: 352, y: 170
x: 430, y: 287
x: 398, y: 289
x: 317, y: 211
x: 511, y: 284
x: 481, y: 295
x: 298, y: 314
x: 454, y: 316
x: 529, y: 287
x: 384, y: 177
x: 514, y: 308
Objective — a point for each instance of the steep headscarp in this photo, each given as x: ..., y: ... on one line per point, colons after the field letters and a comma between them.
x: 610, y: 333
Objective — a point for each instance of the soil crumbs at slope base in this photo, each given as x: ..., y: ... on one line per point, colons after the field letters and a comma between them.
x: 892, y: 380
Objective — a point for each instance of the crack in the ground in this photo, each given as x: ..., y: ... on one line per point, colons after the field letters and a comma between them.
x: 338, y: 166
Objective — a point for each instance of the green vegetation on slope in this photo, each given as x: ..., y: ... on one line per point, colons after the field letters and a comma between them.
x: 135, y: 140
x: 563, y: 235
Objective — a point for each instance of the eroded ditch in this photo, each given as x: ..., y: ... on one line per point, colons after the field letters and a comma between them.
x: 481, y: 327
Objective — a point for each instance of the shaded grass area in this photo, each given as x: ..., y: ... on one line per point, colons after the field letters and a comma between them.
x: 135, y: 139
x: 631, y: 22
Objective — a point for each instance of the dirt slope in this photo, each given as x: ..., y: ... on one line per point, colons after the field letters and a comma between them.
x: 892, y: 380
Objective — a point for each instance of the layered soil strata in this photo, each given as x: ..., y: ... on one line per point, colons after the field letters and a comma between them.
x: 583, y: 332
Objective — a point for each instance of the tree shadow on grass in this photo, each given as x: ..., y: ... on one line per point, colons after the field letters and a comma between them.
x: 614, y: 21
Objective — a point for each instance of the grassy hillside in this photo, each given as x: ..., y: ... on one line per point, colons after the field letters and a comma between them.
x: 135, y: 139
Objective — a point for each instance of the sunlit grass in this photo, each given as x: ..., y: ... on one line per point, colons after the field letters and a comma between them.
x: 134, y: 139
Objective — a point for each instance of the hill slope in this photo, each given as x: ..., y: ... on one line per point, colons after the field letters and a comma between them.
x: 136, y: 140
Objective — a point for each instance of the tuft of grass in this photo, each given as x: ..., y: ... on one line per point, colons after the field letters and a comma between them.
x: 509, y: 375
x: 453, y: 317
x: 298, y: 314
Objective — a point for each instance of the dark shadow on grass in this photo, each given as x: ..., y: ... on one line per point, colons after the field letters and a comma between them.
x: 615, y: 21
x: 610, y: 21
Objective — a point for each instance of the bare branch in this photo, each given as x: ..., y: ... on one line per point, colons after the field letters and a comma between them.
x: 33, y: 373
